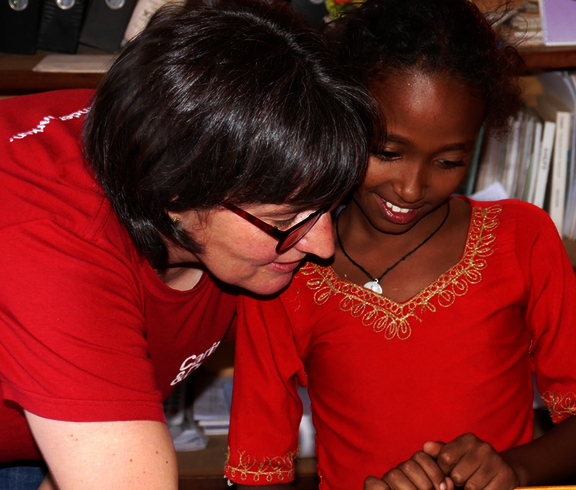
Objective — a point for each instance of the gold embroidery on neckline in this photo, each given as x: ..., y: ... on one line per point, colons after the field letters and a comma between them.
x: 393, y: 319
x: 281, y: 467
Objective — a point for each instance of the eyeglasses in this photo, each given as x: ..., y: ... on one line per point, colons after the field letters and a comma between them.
x: 286, y: 239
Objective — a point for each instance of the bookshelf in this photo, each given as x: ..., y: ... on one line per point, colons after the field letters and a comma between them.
x: 17, y: 75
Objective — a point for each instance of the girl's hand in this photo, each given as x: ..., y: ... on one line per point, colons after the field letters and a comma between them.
x: 472, y: 463
x: 420, y: 472
x: 467, y: 462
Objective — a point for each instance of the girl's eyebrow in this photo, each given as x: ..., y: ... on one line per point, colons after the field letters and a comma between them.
x: 462, y: 146
x: 394, y: 138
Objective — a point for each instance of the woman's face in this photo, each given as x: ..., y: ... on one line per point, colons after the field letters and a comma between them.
x: 239, y: 253
x: 432, y: 124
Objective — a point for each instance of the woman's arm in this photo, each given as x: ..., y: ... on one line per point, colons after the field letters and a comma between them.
x: 134, y: 455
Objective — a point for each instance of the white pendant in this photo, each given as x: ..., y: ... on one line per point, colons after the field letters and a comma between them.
x: 374, y: 286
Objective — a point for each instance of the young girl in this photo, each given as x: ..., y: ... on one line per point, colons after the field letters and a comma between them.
x: 435, y: 310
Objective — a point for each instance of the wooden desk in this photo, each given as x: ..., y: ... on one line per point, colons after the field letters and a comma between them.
x: 204, y: 470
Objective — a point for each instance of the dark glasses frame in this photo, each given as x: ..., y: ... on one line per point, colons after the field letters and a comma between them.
x: 296, y: 232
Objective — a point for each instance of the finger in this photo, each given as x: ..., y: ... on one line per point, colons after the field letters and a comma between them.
x: 431, y: 470
x: 373, y: 483
x: 420, y: 472
x: 492, y: 474
x: 433, y: 448
x: 397, y: 478
x: 476, y: 464
x: 453, y: 453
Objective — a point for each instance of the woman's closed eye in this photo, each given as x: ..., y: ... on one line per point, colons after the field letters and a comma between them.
x: 285, y: 224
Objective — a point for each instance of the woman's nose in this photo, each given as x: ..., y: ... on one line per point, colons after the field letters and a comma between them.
x: 319, y: 240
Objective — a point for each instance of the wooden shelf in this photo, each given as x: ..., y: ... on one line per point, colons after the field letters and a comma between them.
x: 17, y: 75
x: 560, y: 58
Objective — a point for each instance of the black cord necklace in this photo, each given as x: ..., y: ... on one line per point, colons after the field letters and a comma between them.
x: 373, y: 284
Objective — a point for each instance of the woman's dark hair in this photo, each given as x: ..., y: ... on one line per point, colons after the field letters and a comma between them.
x: 212, y: 104
x: 382, y: 38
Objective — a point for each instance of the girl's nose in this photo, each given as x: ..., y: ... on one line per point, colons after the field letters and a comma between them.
x: 410, y: 185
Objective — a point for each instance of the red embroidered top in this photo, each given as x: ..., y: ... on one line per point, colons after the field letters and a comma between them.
x: 385, y: 377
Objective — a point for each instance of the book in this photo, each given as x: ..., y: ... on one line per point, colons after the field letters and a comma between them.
x: 558, y: 21
x: 105, y: 23
x: 552, y: 109
x: 530, y: 184
x: 524, y: 153
x: 510, y: 170
x: 19, y: 23
x: 559, y: 85
x: 60, y: 25
x: 491, y: 162
x: 570, y: 219
x: 75, y: 63
x: 543, y: 162
x: 467, y: 186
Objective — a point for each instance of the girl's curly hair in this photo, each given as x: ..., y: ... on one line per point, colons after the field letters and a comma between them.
x: 382, y: 38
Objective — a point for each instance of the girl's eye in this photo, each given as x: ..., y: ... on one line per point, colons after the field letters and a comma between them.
x: 452, y: 163
x: 386, y: 155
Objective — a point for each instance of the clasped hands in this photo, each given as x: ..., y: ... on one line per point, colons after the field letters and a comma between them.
x: 464, y: 462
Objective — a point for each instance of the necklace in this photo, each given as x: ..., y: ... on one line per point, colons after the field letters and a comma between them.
x: 373, y: 284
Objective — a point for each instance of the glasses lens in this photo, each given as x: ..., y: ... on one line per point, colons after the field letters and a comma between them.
x: 298, y: 233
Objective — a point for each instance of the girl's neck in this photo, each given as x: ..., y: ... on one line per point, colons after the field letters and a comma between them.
x: 377, y: 251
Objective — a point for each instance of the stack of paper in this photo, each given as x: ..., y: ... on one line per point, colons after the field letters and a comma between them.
x: 212, y: 401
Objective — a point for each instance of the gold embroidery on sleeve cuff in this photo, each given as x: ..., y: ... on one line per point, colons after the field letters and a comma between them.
x: 560, y: 405
x: 278, y: 468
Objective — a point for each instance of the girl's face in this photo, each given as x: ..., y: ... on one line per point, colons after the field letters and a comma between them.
x: 432, y: 124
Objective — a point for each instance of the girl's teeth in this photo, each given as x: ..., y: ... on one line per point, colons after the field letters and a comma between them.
x: 396, y: 209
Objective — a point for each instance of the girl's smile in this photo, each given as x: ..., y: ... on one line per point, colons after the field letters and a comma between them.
x: 397, y: 214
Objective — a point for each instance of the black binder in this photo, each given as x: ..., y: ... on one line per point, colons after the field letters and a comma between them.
x: 105, y: 23
x: 19, y: 21
x: 60, y: 25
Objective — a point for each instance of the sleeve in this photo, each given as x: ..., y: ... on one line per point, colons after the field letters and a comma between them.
x: 72, y: 340
x: 266, y: 408
x: 551, y: 310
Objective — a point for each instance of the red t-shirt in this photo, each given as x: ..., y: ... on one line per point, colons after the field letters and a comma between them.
x: 88, y: 332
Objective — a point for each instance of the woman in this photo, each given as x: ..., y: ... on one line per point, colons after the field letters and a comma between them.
x: 205, y: 160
